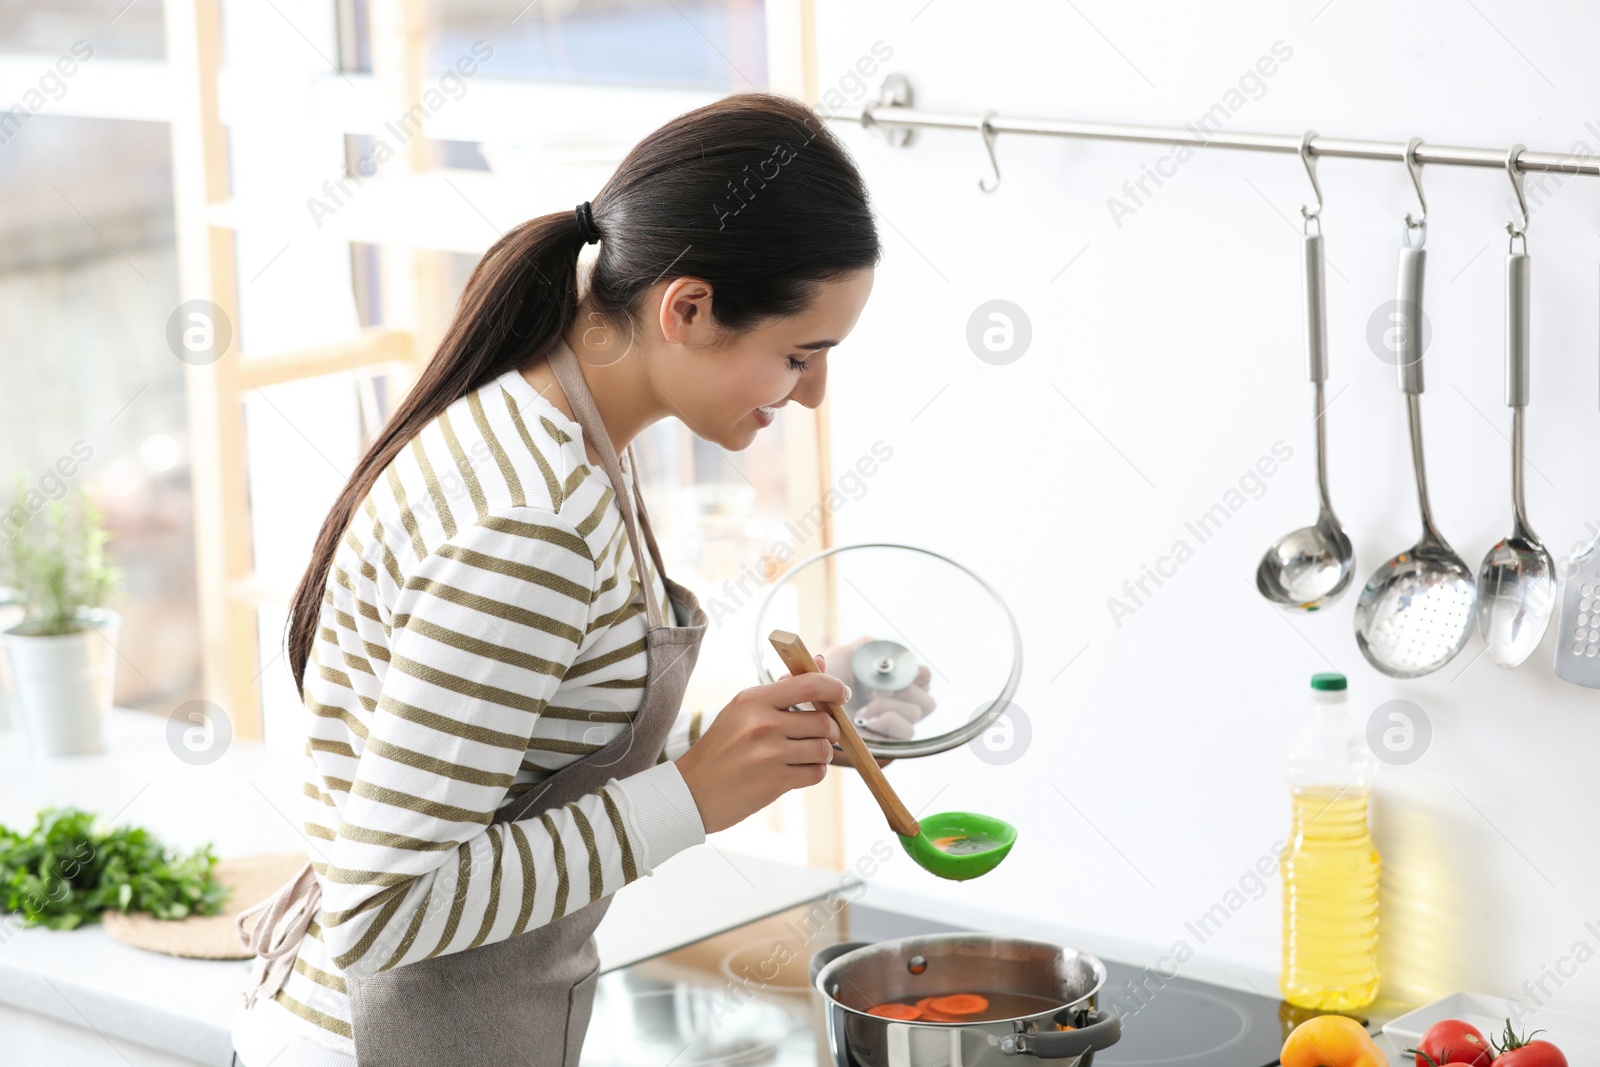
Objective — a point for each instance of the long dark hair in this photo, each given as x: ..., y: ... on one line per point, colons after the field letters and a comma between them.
x: 751, y: 194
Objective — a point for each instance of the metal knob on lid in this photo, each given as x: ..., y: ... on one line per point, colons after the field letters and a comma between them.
x: 884, y: 666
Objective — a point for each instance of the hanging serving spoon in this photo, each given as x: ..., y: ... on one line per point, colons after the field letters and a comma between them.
x: 1516, y: 583
x: 1415, y: 613
x: 953, y: 844
x: 1310, y: 567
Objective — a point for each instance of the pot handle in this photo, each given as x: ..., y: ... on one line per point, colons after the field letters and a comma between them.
x: 822, y: 957
x: 1103, y: 1030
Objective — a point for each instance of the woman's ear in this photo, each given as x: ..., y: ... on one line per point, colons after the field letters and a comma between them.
x: 686, y: 312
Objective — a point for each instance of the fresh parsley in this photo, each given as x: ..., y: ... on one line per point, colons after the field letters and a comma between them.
x: 64, y: 872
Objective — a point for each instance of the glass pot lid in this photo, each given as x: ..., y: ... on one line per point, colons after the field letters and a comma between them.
x: 931, y: 653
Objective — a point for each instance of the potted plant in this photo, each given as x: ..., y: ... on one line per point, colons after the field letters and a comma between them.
x: 62, y: 654
x: 10, y: 615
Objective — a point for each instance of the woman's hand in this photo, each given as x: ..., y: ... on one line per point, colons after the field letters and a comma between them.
x: 885, y: 715
x: 755, y: 750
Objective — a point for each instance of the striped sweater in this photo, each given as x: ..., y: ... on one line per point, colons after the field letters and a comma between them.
x: 483, y: 626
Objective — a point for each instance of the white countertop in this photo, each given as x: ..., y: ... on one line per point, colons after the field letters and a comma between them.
x: 244, y: 803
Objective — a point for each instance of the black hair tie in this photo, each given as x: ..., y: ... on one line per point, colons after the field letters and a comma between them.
x: 586, y: 223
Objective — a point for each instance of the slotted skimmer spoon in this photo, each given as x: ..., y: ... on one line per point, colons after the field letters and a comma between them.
x: 1516, y: 584
x: 1310, y: 567
x: 954, y: 844
x: 1416, y: 611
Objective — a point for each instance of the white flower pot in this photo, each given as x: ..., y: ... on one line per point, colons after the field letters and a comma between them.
x: 62, y: 685
x: 10, y: 615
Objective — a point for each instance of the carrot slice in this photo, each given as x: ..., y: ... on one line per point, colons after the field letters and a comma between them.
x: 902, y: 1012
x: 934, y: 1015
x: 960, y: 1004
x: 943, y: 843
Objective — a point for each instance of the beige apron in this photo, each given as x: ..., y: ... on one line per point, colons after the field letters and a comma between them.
x: 527, y: 999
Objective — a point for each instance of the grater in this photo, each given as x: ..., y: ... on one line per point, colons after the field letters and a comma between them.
x: 1578, y: 638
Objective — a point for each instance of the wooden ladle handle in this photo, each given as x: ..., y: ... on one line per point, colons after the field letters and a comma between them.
x: 799, y: 661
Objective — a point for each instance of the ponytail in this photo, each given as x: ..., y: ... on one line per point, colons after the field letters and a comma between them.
x: 522, y: 295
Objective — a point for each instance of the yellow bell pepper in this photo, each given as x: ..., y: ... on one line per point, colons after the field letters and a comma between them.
x: 1331, y: 1041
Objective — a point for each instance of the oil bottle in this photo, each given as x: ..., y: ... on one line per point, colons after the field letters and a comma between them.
x: 1330, y: 866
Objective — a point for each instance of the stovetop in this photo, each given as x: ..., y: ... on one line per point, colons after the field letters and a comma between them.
x: 745, y: 998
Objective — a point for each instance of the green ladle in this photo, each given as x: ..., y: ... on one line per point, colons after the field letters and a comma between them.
x: 954, y: 844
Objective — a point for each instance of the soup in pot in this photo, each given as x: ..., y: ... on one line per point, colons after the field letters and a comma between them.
x: 966, y: 1007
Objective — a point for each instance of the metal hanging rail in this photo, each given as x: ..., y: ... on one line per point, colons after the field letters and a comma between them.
x: 895, y: 117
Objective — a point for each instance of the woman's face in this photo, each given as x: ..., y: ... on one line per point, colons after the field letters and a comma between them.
x: 728, y: 392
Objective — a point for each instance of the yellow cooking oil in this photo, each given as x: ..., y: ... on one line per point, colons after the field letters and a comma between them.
x: 1330, y: 903
x: 1330, y: 866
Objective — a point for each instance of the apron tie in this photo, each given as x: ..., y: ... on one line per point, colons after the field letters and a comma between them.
x: 284, y: 918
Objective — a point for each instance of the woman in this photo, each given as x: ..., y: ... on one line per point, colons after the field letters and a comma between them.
x: 491, y: 658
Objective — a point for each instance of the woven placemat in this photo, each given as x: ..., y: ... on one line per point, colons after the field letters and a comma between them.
x: 209, y: 937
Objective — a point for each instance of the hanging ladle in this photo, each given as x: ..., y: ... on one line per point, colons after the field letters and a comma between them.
x: 1310, y: 567
x: 1516, y: 584
x: 953, y: 844
x: 1416, y: 611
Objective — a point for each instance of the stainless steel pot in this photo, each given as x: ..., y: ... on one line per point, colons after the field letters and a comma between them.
x: 855, y: 976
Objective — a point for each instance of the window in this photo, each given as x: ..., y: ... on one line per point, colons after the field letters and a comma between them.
x: 88, y: 274
x: 709, y: 44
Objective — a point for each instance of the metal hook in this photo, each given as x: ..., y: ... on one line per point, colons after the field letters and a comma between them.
x: 1414, y: 169
x: 1311, y: 172
x: 894, y: 92
x: 987, y: 129
x: 1522, y: 202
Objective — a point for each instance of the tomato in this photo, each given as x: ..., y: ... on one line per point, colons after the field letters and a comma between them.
x: 1533, y: 1054
x: 1452, y: 1041
x: 1518, y: 1051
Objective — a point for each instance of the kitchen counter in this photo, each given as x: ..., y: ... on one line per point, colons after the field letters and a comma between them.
x: 81, y: 997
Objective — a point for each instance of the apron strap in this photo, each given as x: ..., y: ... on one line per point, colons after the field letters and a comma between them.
x: 644, y: 519
x: 283, y: 919
x: 564, y: 362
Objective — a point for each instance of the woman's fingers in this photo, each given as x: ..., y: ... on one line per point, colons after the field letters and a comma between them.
x: 803, y: 750
x: 921, y: 703
x: 840, y: 656
x: 890, y: 718
x: 809, y: 724
x: 890, y: 723
x: 791, y: 689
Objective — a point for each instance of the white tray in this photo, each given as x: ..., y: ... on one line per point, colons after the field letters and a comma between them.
x: 1577, y: 1036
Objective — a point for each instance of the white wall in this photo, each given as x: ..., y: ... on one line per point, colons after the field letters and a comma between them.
x: 1177, y: 338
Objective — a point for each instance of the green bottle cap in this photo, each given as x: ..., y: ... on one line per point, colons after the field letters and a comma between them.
x: 1328, y: 682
